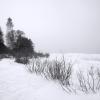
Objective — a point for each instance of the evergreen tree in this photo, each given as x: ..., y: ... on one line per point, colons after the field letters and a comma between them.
x: 12, y: 35
x: 9, y: 25
x: 1, y: 36
x: 10, y: 39
x: 23, y: 47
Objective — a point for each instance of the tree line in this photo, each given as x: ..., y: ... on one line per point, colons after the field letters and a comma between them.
x: 17, y: 44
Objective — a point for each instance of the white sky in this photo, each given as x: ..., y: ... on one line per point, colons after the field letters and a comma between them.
x: 56, y: 25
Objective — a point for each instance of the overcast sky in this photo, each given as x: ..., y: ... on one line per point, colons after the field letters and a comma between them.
x: 56, y: 25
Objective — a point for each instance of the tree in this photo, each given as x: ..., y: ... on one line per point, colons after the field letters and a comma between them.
x: 19, y: 33
x: 10, y: 39
x: 1, y: 36
x: 3, y: 48
x: 9, y: 25
x: 12, y: 35
x: 23, y: 48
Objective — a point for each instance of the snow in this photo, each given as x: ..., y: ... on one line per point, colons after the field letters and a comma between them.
x: 80, y: 61
x: 17, y: 83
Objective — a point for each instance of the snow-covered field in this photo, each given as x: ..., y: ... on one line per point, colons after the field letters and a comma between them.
x: 17, y: 83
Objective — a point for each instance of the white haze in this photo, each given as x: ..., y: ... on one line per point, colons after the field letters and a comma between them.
x: 56, y: 25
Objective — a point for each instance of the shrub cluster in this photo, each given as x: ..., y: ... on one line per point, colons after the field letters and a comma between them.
x: 54, y: 70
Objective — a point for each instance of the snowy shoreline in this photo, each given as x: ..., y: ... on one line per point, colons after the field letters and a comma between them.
x: 16, y: 83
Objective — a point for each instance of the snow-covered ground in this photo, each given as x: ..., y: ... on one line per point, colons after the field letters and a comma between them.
x: 17, y: 83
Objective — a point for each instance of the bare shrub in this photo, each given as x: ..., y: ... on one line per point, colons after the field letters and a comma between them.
x: 58, y: 70
x: 82, y: 82
x: 98, y: 78
x: 36, y: 66
x: 90, y: 81
x: 54, y: 70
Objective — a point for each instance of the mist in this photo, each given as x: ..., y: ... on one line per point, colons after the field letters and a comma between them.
x: 56, y: 26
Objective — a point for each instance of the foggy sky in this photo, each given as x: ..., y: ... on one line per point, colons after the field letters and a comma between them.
x: 56, y: 25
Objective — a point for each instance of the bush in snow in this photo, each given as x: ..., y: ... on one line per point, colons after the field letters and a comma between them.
x: 58, y: 70
x: 40, y: 54
x: 55, y: 70
x: 90, y: 81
